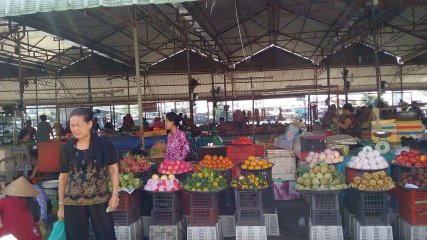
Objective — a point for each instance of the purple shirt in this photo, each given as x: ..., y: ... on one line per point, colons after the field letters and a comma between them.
x: 177, y: 147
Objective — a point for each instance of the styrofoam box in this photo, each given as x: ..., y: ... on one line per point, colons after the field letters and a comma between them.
x: 326, y: 233
x: 204, y: 233
x: 167, y: 232
x: 284, y: 163
x: 132, y: 232
x: 146, y: 222
x: 251, y: 233
x: 228, y: 225
x: 271, y: 222
x: 409, y: 232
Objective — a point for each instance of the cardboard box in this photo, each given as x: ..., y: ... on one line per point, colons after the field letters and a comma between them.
x: 284, y: 190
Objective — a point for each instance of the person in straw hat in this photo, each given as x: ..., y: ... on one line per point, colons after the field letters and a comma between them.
x: 15, y: 213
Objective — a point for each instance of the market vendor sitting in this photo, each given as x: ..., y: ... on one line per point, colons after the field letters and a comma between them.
x: 128, y: 123
x: 18, y: 210
x: 346, y: 126
x: 177, y: 145
x: 157, y: 123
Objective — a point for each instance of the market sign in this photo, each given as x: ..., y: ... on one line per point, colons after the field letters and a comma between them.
x: 9, y: 8
x: 149, y: 107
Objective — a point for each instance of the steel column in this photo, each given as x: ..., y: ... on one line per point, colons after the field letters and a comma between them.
x: 138, y: 83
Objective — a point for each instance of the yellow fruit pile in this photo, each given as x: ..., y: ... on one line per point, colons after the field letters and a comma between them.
x: 254, y: 164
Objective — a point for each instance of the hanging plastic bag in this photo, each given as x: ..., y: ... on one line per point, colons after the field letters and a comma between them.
x: 58, y: 231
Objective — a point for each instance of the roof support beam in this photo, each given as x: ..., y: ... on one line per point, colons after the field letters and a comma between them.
x: 415, y: 34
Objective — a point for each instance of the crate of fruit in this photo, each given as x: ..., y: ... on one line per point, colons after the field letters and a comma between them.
x: 260, y: 167
x: 128, y: 200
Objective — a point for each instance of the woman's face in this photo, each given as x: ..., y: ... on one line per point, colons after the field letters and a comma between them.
x: 169, y: 124
x: 346, y: 112
x: 79, y: 127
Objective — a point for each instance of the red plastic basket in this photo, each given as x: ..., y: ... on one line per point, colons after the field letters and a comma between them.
x: 128, y: 200
x: 203, y: 216
x: 240, y: 151
x: 411, y: 211
x: 259, y: 150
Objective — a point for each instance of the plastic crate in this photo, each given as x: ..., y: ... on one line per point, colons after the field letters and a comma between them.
x: 271, y: 222
x: 367, y: 200
x: 326, y: 233
x: 208, y: 200
x: 410, y: 232
x: 128, y: 200
x: 266, y: 173
x: 227, y: 204
x: 127, y: 217
x: 375, y: 233
x: 132, y: 232
x: 160, y: 217
x: 251, y: 233
x: 248, y: 199
x: 259, y: 150
x: 325, y: 201
x: 373, y: 217
x: 325, y: 218
x: 166, y: 200
x: 250, y: 217
x: 203, y: 216
x: 228, y: 225
x: 268, y: 200
x: 173, y: 232
x: 240, y: 151
x: 416, y: 215
x: 204, y: 233
x: 312, y: 144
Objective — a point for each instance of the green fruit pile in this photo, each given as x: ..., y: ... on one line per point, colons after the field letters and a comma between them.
x: 128, y: 181
x: 320, y: 177
x: 205, y: 181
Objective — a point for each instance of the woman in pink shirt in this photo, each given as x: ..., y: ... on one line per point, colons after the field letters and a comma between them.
x: 177, y: 146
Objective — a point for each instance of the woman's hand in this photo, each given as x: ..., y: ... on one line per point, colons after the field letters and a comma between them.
x: 335, y: 120
x: 61, y: 213
x: 113, y: 203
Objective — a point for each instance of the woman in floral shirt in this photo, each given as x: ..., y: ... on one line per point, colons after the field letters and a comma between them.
x: 177, y: 147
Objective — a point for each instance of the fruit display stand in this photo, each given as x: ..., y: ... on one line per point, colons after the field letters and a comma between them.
x: 370, y: 207
x: 263, y: 169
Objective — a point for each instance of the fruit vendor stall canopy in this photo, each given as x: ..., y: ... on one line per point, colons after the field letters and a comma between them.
x: 86, y: 54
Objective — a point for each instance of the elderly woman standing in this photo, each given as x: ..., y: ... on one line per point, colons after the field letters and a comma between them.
x: 88, y: 162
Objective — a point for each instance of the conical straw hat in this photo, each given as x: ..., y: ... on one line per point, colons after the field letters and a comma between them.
x: 20, y: 188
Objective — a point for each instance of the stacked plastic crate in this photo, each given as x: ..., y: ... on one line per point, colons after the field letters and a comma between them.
x: 204, y: 216
x: 325, y: 216
x: 250, y: 214
x: 126, y: 217
x: 371, y: 210
x: 166, y: 209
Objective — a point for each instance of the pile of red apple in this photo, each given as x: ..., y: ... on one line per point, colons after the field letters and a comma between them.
x: 175, y: 167
x: 411, y: 159
x: 242, y: 140
x: 134, y: 163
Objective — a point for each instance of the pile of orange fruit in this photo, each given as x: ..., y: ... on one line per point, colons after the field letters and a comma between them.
x: 218, y: 163
x: 252, y: 163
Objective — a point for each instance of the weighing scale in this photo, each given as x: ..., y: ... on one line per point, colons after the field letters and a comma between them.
x: 383, y: 146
